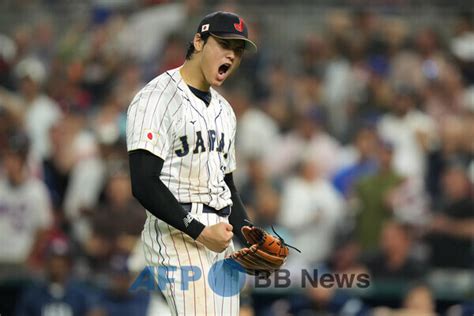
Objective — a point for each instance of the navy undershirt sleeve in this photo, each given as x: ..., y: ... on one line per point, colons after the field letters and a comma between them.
x: 154, y: 195
x: 238, y: 215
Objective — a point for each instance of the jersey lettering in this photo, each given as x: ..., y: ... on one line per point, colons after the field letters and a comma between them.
x: 199, y: 143
x: 212, y: 139
x: 185, y: 147
x: 221, y: 143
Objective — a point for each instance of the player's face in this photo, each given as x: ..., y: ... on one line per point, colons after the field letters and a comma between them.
x: 220, y: 58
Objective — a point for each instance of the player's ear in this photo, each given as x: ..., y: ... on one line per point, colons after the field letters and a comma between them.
x: 198, y: 42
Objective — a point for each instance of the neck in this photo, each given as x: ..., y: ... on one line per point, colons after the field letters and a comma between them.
x: 193, y: 76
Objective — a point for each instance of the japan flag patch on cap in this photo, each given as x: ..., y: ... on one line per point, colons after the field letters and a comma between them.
x: 205, y: 28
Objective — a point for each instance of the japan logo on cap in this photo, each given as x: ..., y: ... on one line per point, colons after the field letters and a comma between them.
x: 205, y: 28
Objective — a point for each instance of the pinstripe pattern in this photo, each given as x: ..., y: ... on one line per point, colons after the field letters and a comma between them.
x: 172, y: 296
x: 209, y: 259
x: 203, y: 275
x: 160, y: 116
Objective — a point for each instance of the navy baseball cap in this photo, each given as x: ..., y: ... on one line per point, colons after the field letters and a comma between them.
x: 226, y: 25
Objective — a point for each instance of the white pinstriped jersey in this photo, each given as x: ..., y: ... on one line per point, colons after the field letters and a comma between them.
x: 195, y: 141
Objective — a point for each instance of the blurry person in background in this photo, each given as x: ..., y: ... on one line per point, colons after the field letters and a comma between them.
x: 41, y: 112
x: 251, y: 121
x: 371, y: 198
x: 129, y: 83
x: 267, y: 207
x: 58, y: 293
x: 364, y: 164
x: 74, y: 172
x: 451, y: 231
x: 339, y: 80
x: 9, y: 121
x: 118, y: 300
x: 410, y: 131
x: 393, y: 259
x: 255, y: 179
x: 25, y: 218
x: 109, y: 123
x: 313, y: 211
x: 462, y: 46
x: 418, y: 301
x: 462, y: 309
x: 345, y: 257
x: 455, y: 144
x: 9, y: 101
x: 323, y: 301
x: 308, y: 135
x: 170, y: 56
x: 25, y: 210
x: 117, y: 222
x: 8, y: 52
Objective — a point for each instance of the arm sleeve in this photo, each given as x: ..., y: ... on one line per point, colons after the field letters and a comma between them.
x: 238, y: 215
x: 152, y: 193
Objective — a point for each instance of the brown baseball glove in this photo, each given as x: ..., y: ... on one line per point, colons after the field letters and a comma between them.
x: 266, y: 253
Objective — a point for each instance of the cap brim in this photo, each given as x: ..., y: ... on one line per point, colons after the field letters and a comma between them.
x: 249, y: 45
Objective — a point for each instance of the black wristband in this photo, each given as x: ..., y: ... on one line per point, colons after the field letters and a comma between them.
x: 195, y: 228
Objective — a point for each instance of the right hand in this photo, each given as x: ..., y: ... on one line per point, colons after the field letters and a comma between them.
x: 216, y: 237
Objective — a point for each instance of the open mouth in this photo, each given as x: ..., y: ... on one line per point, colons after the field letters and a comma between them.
x: 224, y: 68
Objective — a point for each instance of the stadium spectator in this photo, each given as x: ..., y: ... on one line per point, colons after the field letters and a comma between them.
x: 363, y: 163
x: 59, y: 293
x: 393, y: 260
x: 372, y: 198
x: 118, y: 236
x: 41, y: 112
x: 308, y: 135
x: 418, y: 301
x: 410, y: 131
x: 452, y: 228
x: 313, y: 211
x: 117, y: 299
x: 25, y: 209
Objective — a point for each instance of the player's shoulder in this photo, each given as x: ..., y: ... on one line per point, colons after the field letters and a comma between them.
x: 165, y: 84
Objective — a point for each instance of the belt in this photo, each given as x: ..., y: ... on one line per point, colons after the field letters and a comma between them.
x: 207, y: 209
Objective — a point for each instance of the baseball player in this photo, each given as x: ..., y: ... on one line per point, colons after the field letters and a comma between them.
x: 180, y: 138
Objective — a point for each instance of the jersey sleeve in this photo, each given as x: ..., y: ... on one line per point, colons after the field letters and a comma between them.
x: 149, y: 120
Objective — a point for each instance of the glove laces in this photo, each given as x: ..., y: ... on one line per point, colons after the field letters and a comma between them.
x: 282, y: 240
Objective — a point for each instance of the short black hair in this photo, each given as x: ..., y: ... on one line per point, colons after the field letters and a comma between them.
x: 191, y: 49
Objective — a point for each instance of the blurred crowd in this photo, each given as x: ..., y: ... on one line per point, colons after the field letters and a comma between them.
x: 356, y: 145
